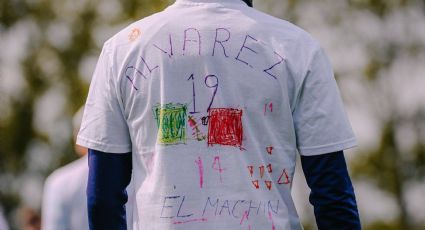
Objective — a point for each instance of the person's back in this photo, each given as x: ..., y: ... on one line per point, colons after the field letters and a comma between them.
x: 213, y: 99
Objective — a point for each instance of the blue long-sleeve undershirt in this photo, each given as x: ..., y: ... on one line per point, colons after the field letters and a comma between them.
x: 109, y: 175
x: 332, y: 194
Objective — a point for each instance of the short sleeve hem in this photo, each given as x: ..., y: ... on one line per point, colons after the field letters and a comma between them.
x: 99, y: 146
x: 329, y: 148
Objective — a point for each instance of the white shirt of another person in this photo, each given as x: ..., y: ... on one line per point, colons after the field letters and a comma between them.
x: 64, y: 198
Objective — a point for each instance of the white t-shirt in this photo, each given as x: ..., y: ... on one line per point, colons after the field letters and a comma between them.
x: 3, y: 222
x: 214, y: 99
x: 64, y: 198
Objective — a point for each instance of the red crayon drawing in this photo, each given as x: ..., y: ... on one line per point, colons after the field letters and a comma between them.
x: 256, y: 184
x: 245, y: 216
x: 268, y: 184
x: 268, y: 106
x: 269, y: 168
x: 225, y: 127
x: 269, y: 150
x: 201, y: 171
x: 271, y: 220
x: 196, y: 132
x: 189, y: 221
x: 261, y: 171
x: 251, y: 170
x: 219, y: 169
x: 284, y: 178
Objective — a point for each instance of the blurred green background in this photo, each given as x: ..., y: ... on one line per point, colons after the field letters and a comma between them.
x: 49, y: 48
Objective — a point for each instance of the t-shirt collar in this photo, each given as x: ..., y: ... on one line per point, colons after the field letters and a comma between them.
x: 211, y: 1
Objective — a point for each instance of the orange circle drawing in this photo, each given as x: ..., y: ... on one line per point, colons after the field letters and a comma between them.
x: 135, y: 33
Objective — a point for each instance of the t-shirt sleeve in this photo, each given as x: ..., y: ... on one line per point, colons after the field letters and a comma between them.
x: 104, y: 127
x: 320, y: 121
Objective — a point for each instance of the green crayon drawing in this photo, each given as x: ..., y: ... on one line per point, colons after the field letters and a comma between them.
x: 171, y: 122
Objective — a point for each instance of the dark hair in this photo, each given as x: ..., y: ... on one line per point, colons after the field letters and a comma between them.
x: 248, y: 2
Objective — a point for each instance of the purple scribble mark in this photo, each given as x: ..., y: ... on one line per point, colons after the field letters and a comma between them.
x: 146, y: 64
x: 221, y: 41
x: 215, y: 86
x: 281, y: 59
x: 190, y: 40
x: 193, y: 93
x: 248, y: 48
x: 171, y: 47
x: 137, y: 72
x: 132, y: 79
